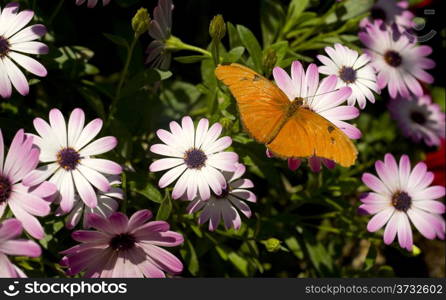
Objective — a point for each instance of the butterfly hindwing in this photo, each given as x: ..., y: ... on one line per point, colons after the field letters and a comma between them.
x: 261, y: 103
x: 306, y: 134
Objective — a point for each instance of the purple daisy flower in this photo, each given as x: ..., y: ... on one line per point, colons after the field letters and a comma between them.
x: 92, y: 3
x: 419, y: 119
x: 399, y: 195
x: 390, y: 12
x: 322, y: 98
x: 68, y: 154
x: 196, y: 158
x: 160, y: 30
x: 399, y: 62
x: 353, y: 70
x: 25, y: 202
x: 226, y: 205
x: 14, y: 40
x: 10, y: 229
x: 124, y: 248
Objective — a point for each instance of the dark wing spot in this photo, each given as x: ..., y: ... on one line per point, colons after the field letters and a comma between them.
x: 243, y: 79
x: 332, y: 140
x: 330, y: 129
x: 256, y: 78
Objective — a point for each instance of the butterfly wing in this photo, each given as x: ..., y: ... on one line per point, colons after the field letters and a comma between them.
x: 306, y: 133
x: 262, y: 105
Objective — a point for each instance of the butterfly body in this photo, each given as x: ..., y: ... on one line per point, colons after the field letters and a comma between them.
x: 290, y: 129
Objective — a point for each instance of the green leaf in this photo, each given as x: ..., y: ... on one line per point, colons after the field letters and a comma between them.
x: 234, y: 55
x: 350, y: 10
x: 239, y: 262
x: 294, y: 10
x: 190, y: 257
x: 151, y: 193
x: 190, y: 59
x: 93, y: 100
x: 234, y: 38
x: 165, y: 208
x: 117, y: 40
x: 252, y: 45
x: 271, y: 20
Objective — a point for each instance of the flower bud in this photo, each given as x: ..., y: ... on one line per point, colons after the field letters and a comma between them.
x: 272, y: 244
x: 269, y: 61
x: 217, y: 28
x: 141, y: 21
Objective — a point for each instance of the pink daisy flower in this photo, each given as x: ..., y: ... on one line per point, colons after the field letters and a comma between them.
x: 399, y: 62
x: 25, y: 202
x: 92, y: 3
x: 226, y: 205
x: 399, y: 195
x: 419, y: 119
x: 196, y: 158
x: 14, y: 40
x: 124, y: 248
x: 322, y: 98
x: 160, y: 30
x: 352, y: 70
x: 10, y: 229
x: 107, y: 204
x: 67, y: 152
x: 390, y: 12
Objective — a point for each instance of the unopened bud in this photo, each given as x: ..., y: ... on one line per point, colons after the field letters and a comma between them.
x: 269, y: 61
x: 225, y: 122
x: 141, y: 21
x: 217, y: 28
x: 272, y: 244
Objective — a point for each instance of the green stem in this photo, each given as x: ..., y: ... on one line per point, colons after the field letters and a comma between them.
x: 121, y: 80
x: 196, y: 49
x: 124, y: 192
x: 55, y: 12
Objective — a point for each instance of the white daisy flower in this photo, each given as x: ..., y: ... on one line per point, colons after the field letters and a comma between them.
x: 226, y: 205
x: 67, y: 153
x: 14, y: 39
x: 400, y: 63
x: 352, y: 70
x: 196, y: 158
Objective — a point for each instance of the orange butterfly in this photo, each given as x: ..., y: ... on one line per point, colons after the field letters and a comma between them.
x: 289, y: 129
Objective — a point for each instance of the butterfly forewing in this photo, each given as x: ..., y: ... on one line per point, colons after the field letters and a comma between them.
x: 261, y: 103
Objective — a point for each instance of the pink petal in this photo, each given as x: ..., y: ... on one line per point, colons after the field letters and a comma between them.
x: 84, y: 189
x: 29, y: 64
x: 100, y: 146
x: 380, y: 219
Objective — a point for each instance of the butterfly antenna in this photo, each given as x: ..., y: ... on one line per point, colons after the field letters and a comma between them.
x: 314, y: 96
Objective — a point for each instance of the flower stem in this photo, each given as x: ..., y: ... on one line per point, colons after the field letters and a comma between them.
x: 55, y: 12
x: 196, y: 49
x: 121, y: 80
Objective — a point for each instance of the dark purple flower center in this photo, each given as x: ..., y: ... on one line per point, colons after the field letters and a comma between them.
x: 4, y: 46
x: 122, y: 242
x: 418, y: 117
x: 393, y: 58
x: 195, y: 158
x: 401, y: 201
x: 224, y: 192
x: 5, y: 189
x: 347, y: 74
x: 68, y: 158
x: 377, y: 13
